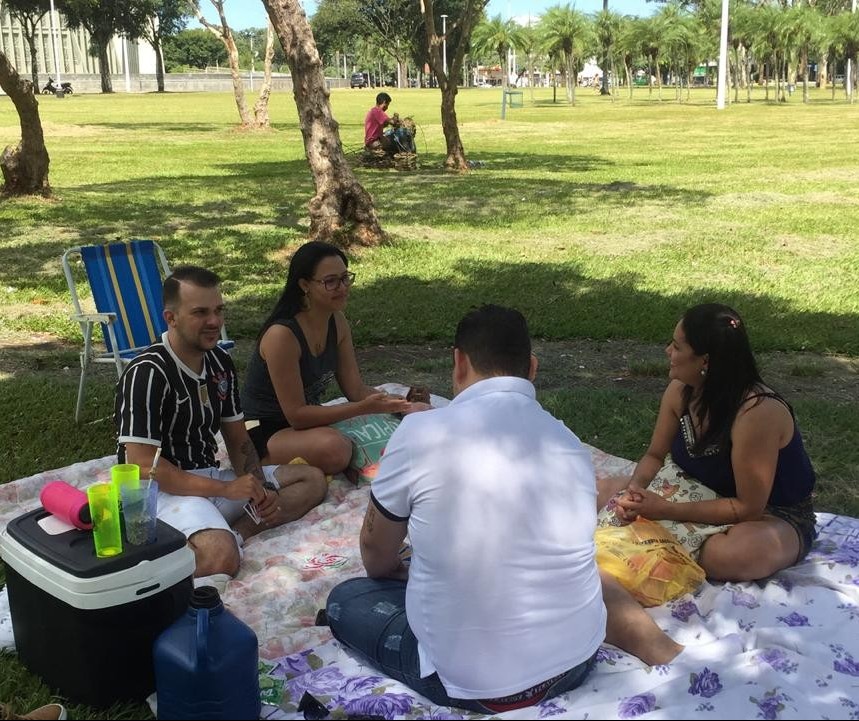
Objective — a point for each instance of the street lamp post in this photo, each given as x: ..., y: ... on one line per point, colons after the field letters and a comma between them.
x: 848, y: 79
x: 54, y: 46
x: 251, y: 38
x: 444, y: 42
x: 723, y: 59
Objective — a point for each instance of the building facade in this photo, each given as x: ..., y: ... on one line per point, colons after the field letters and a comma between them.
x: 69, y: 51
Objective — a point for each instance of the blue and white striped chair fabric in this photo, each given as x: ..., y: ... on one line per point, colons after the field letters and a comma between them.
x: 125, y: 280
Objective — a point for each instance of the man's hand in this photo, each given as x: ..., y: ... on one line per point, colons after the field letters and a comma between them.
x: 246, y: 486
x: 270, y: 507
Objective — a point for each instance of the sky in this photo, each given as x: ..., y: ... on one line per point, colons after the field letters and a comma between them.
x: 243, y: 14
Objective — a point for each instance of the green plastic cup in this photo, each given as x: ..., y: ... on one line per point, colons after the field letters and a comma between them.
x: 125, y: 474
x: 104, y: 508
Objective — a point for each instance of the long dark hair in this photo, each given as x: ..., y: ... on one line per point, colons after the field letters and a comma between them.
x: 301, y: 267
x: 717, y: 331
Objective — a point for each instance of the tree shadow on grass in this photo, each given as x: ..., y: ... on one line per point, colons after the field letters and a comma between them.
x: 560, y: 302
x: 264, y: 204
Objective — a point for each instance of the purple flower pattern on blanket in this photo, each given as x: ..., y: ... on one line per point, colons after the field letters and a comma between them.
x: 633, y: 706
x: 847, y: 665
x: 852, y: 705
x: 684, y: 610
x: 846, y: 553
x: 550, y: 708
x: 771, y: 704
x: 706, y: 683
x: 357, y: 686
x: 794, y: 619
x: 387, y: 705
x: 324, y: 682
x: 297, y: 664
x: 607, y: 655
x: 778, y: 660
x: 741, y: 598
x: 442, y: 713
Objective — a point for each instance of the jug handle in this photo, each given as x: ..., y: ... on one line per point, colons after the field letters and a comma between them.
x: 202, y: 638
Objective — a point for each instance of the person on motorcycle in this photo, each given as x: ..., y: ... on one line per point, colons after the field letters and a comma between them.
x: 51, y: 89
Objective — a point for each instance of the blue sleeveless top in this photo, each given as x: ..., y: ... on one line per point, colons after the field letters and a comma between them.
x: 259, y: 400
x: 794, y: 476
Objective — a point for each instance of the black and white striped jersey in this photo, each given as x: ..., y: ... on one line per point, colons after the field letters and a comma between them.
x: 162, y: 402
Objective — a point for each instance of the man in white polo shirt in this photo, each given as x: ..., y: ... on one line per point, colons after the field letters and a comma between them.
x: 502, y: 605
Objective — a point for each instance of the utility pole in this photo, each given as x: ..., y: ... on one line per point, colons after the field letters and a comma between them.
x: 444, y: 42
x: 723, y: 58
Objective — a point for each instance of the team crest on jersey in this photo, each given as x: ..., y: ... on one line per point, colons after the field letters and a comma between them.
x: 222, y: 383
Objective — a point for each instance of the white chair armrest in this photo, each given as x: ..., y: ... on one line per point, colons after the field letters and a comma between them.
x: 94, y: 317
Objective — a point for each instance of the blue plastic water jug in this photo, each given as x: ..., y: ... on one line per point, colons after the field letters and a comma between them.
x: 207, y: 664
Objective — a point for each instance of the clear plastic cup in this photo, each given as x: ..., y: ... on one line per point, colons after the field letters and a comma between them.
x: 140, y: 510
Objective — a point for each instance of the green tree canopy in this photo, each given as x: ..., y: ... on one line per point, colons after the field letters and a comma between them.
x: 196, y: 48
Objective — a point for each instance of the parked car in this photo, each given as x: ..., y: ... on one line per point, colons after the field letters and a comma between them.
x: 358, y: 80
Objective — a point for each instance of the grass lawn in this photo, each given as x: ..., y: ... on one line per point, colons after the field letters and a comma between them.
x: 601, y: 221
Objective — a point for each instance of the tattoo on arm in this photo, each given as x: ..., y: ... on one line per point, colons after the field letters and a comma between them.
x: 370, y: 518
x: 252, y: 464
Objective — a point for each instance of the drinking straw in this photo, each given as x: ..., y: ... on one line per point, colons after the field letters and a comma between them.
x: 153, y: 466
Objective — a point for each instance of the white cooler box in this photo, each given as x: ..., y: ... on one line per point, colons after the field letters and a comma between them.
x: 85, y: 624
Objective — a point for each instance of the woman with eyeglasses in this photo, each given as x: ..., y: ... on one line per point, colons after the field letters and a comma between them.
x: 725, y: 427
x: 304, y: 344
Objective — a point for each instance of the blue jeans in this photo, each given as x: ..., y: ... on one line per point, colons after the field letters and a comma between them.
x: 369, y: 616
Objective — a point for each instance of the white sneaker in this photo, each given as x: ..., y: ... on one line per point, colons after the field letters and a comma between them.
x: 218, y: 580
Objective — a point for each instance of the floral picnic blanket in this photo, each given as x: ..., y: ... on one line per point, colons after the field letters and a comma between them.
x: 788, y: 648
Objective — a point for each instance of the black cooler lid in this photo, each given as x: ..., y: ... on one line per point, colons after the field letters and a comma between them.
x: 74, y: 551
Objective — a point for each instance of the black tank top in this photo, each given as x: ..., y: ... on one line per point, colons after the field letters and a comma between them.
x: 259, y: 400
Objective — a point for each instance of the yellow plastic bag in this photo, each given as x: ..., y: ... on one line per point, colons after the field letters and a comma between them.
x: 647, y: 561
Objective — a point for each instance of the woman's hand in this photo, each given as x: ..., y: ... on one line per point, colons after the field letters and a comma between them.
x: 384, y: 403
x: 635, y: 503
x: 417, y: 406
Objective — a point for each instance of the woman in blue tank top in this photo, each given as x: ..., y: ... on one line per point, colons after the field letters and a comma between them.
x: 726, y: 428
x: 304, y: 344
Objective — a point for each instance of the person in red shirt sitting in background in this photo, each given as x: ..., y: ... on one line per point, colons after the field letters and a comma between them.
x: 375, y: 123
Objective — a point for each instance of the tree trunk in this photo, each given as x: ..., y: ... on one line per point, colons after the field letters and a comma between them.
x: 238, y: 83
x: 468, y: 16
x: 159, y: 63
x: 822, y: 70
x: 261, y: 119
x: 630, y: 80
x: 104, y: 67
x: 25, y: 167
x: 225, y: 35
x: 34, y: 62
x: 341, y: 211
x: 805, y: 98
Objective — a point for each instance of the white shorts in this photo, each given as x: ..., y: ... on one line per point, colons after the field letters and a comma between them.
x: 190, y: 514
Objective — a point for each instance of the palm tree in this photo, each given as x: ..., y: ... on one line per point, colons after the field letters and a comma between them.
x: 497, y: 36
x: 650, y: 37
x: 807, y: 33
x: 527, y: 41
x: 629, y: 48
x: 607, y: 28
x: 566, y: 32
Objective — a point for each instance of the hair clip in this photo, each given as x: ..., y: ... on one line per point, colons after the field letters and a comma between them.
x: 733, y: 322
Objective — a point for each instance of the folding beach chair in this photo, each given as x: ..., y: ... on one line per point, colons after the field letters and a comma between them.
x: 125, y: 280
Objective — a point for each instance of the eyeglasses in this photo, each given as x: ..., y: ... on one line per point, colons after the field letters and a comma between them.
x: 333, y: 282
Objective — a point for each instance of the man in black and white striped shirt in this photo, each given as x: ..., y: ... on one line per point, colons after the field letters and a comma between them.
x: 176, y: 396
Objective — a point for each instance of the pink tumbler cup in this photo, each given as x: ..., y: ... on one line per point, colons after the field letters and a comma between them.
x: 68, y: 503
